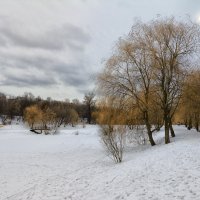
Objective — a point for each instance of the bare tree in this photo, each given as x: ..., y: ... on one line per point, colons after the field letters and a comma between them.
x: 90, y: 103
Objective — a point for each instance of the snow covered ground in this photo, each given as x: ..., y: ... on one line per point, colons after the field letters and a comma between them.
x: 72, y: 165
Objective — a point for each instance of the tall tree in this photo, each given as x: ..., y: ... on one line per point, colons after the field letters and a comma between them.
x: 90, y: 103
x: 172, y: 45
x: 128, y: 75
x: 149, y: 65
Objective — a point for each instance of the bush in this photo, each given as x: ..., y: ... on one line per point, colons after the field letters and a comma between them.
x: 113, y: 140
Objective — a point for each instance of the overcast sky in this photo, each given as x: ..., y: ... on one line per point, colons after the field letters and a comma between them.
x: 54, y: 48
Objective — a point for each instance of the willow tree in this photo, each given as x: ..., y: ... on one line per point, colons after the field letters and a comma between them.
x: 190, y: 110
x: 128, y: 75
x: 173, y: 46
x: 152, y: 62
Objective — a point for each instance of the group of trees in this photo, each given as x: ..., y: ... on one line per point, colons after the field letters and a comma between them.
x: 149, y: 73
x: 48, y: 119
x: 150, y: 80
x: 188, y: 112
x: 46, y: 114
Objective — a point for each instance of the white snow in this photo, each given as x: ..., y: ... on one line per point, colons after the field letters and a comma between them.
x: 73, y: 165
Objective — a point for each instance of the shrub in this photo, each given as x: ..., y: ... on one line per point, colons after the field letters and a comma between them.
x: 113, y: 140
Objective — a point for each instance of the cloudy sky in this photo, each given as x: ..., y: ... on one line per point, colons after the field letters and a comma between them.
x: 54, y: 48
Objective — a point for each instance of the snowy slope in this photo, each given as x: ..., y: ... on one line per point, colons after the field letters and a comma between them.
x: 74, y: 166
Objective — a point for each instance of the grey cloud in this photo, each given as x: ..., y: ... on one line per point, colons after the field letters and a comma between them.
x: 31, y: 58
x: 73, y: 75
x: 55, y: 71
x: 57, y: 38
x: 27, y: 81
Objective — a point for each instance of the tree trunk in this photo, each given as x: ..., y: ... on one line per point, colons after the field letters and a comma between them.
x: 89, y: 114
x: 186, y: 123
x: 166, y: 121
x: 171, y: 129
x: 190, y: 123
x: 197, y: 122
x: 197, y: 126
x: 151, y: 140
x: 148, y: 127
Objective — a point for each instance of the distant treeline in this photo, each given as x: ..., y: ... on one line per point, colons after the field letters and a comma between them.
x: 11, y: 106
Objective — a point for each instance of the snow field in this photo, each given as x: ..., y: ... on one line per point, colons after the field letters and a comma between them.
x: 73, y: 165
